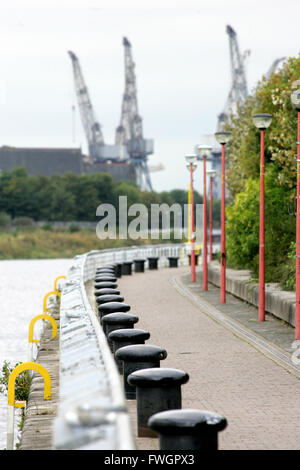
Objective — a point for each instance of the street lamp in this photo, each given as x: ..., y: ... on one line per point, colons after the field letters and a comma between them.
x: 223, y: 138
x: 204, y: 151
x: 191, y: 166
x: 262, y: 122
x: 295, y: 99
x: 211, y: 174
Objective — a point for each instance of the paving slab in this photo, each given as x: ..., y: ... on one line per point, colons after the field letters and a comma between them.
x: 230, y: 371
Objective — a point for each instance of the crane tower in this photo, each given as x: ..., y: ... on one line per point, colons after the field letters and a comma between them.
x: 91, y: 126
x: 130, y: 146
x: 129, y: 133
x: 99, y: 152
x: 239, y: 91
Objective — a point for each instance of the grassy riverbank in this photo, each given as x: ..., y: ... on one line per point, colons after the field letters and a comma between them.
x: 36, y: 243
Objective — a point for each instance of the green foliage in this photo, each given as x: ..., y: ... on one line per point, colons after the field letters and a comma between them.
x: 5, y: 219
x: 242, y: 227
x: 47, y: 226
x: 271, y: 96
x: 23, y: 222
x: 243, y: 175
x: 73, y: 228
x: 22, y: 382
x: 71, y: 197
x: 288, y: 279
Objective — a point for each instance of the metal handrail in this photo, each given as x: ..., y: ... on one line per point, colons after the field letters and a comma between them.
x: 92, y: 410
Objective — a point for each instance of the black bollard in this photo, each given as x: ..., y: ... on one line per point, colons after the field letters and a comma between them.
x: 156, y: 390
x: 104, y: 299
x: 139, y: 265
x: 127, y: 268
x: 119, y: 269
x: 105, y: 284
x: 196, y: 259
x: 112, y: 307
x: 188, y: 429
x: 173, y: 261
x: 136, y: 357
x: 106, y: 291
x: 105, y: 271
x: 153, y: 262
x: 117, y: 321
x: 126, y: 337
x: 110, y: 267
x: 105, y: 277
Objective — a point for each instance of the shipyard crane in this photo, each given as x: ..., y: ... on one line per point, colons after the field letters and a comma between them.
x: 91, y: 126
x: 274, y: 67
x: 238, y: 92
x: 99, y: 152
x: 130, y: 131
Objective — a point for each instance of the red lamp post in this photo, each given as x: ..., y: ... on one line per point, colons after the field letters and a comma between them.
x: 204, y: 151
x: 191, y: 166
x: 211, y: 174
x: 295, y: 99
x: 262, y: 122
x: 223, y: 138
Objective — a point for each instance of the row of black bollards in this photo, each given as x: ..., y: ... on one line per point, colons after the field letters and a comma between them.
x: 138, y: 265
x: 157, y: 390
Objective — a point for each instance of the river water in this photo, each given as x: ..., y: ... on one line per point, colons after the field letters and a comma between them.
x: 23, y: 285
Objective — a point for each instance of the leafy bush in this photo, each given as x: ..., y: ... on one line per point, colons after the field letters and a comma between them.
x: 243, y: 177
x: 288, y: 280
x: 74, y: 228
x: 5, y: 219
x: 242, y: 227
x: 23, y: 222
x: 47, y: 226
x: 270, y: 96
x: 22, y: 383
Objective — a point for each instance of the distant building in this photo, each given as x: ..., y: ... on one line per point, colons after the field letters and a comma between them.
x: 54, y: 161
x: 118, y: 170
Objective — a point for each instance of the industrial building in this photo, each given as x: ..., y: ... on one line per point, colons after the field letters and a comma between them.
x: 53, y: 161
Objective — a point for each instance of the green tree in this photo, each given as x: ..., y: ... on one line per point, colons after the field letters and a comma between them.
x: 270, y: 96
x: 243, y: 174
x: 85, y: 193
x: 62, y: 204
x: 17, y: 196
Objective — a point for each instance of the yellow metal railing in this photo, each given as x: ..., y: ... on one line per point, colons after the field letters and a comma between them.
x: 56, y: 281
x: 12, y: 404
x: 49, y: 294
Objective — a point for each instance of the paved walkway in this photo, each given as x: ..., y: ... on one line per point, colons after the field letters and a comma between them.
x: 230, y: 372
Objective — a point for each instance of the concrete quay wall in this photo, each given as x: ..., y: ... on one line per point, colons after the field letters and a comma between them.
x: 278, y: 302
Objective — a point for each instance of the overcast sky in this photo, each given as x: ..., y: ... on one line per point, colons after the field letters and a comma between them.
x: 181, y: 51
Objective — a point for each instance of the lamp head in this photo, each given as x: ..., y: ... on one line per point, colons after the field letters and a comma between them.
x: 204, y: 150
x: 262, y: 120
x: 223, y: 137
x: 295, y: 99
x: 211, y: 173
x: 191, y: 158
